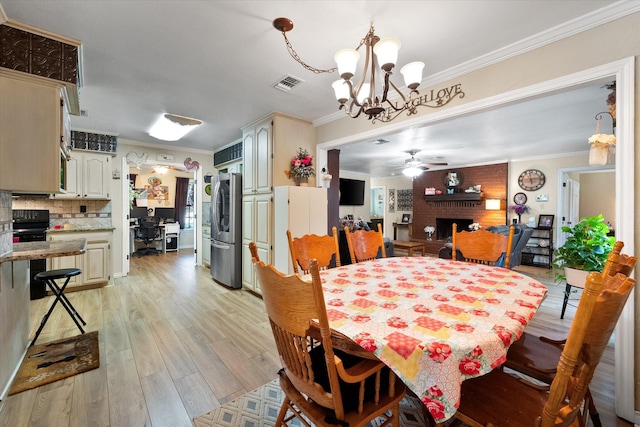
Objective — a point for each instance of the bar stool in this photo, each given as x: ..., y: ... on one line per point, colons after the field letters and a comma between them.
x: 49, y: 277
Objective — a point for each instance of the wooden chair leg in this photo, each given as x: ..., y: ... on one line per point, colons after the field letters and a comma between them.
x: 567, y: 291
x: 593, y: 412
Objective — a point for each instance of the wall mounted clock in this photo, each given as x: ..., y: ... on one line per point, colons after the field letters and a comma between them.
x: 531, y: 180
x: 520, y: 198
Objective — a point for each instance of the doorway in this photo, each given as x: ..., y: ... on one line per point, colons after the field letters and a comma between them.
x: 623, y: 72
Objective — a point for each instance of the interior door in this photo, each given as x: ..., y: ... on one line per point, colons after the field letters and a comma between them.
x: 570, y: 206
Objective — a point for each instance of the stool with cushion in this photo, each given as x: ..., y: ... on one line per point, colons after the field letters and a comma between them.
x: 49, y: 278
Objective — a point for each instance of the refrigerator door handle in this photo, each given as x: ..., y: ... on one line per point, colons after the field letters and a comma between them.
x: 215, y: 220
x: 219, y: 246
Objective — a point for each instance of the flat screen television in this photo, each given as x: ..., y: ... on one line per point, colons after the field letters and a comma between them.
x: 351, y: 192
x: 166, y: 214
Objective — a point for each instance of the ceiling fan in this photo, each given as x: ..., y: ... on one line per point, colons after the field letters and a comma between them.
x: 414, y: 167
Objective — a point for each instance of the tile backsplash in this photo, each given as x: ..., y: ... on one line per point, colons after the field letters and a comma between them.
x: 97, y: 213
x: 6, y: 223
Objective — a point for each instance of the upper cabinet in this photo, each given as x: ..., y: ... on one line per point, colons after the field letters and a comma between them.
x: 34, y: 133
x: 257, y: 149
x: 88, y: 176
x: 45, y: 55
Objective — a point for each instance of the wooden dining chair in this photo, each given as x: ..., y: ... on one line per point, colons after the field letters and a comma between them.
x: 538, y: 357
x: 482, y: 246
x: 311, y: 246
x: 365, y: 245
x: 500, y: 399
x: 323, y: 384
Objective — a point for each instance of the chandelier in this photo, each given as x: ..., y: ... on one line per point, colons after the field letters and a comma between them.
x: 370, y: 94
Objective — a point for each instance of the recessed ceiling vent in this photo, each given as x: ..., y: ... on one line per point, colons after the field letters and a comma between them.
x: 287, y: 83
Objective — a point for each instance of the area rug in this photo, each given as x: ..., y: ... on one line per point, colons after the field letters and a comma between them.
x: 259, y: 408
x: 55, y: 360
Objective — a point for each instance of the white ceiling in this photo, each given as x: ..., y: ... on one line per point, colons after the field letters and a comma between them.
x: 217, y: 61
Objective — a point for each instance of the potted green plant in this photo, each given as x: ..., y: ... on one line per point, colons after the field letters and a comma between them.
x: 586, y: 248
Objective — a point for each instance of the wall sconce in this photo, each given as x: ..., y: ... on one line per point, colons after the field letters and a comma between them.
x: 493, y: 204
x: 326, y: 178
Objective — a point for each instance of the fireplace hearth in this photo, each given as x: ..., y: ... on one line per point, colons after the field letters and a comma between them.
x: 444, y: 226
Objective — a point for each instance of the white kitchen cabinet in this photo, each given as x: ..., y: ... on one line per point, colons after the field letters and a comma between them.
x: 95, y: 263
x: 256, y: 227
x: 302, y: 210
x: 206, y: 245
x: 14, y: 317
x: 257, y: 147
x: 268, y: 146
x: 88, y: 176
x: 34, y: 133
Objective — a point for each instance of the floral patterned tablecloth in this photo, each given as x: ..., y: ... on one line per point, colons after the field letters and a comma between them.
x: 435, y: 322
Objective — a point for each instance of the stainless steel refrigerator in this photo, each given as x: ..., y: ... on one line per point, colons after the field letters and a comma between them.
x: 226, y: 229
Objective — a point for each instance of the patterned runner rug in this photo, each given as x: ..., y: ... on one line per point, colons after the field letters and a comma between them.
x: 259, y: 408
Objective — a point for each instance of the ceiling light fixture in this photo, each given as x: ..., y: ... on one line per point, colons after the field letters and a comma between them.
x: 170, y: 127
x: 160, y: 169
x: 412, y: 171
x: 366, y: 96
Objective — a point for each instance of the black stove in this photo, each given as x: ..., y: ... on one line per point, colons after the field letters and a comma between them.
x: 30, y: 225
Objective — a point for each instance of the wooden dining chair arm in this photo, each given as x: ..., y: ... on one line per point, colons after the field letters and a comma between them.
x: 341, y: 342
x: 548, y: 371
x: 358, y: 372
x: 557, y: 343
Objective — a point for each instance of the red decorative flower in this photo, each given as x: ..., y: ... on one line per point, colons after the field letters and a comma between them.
x: 439, y: 351
x: 421, y: 308
x: 469, y: 366
x: 435, y: 407
x: 476, y: 351
x: 396, y: 322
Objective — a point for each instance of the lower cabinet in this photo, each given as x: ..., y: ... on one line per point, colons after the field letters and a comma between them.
x: 95, y: 263
x: 14, y: 317
x: 206, y: 245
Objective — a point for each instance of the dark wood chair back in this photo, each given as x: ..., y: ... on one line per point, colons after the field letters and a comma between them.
x: 323, y: 249
x: 365, y: 245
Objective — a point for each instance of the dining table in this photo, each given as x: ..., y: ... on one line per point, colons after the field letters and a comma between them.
x: 435, y: 322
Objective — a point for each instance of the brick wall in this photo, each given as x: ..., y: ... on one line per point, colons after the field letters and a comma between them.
x: 492, y: 178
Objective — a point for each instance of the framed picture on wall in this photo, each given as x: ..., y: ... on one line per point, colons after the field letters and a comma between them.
x: 545, y: 221
x: 406, y: 218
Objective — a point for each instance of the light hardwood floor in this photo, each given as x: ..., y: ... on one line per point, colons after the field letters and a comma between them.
x: 174, y: 345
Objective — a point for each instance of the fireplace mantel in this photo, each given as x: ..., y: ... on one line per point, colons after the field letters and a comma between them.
x: 474, y: 198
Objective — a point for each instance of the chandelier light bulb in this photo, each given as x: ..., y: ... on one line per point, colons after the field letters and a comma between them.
x: 347, y: 59
x: 412, y: 73
x: 341, y: 89
x: 386, y: 51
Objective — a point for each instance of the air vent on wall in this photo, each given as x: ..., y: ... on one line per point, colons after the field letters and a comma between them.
x: 287, y: 83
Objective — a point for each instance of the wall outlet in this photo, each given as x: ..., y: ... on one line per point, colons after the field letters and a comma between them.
x: 83, y: 208
x: 542, y: 198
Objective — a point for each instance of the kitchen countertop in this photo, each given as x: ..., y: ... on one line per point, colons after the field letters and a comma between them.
x: 78, y: 230
x: 39, y: 250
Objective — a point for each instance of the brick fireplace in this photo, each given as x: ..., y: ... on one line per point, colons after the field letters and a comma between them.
x: 460, y: 206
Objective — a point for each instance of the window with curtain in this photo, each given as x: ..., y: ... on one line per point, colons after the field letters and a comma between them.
x: 184, y: 203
